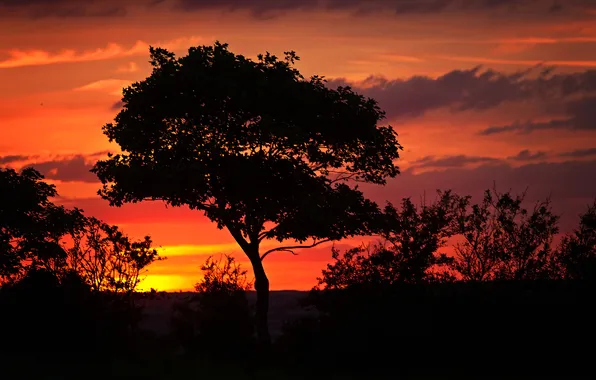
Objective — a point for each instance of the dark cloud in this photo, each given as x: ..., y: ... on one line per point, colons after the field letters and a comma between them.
x: 569, y: 184
x: 114, y: 8
x: 478, y: 89
x: 582, y: 116
x: 4, y: 160
x: 459, y: 89
x: 578, y: 153
x: 526, y: 155
x: 451, y: 161
x: 36, y: 9
x: 396, y: 6
x: 67, y: 169
x: 117, y: 106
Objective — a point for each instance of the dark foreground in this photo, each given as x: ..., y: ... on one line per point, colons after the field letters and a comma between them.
x: 473, y: 330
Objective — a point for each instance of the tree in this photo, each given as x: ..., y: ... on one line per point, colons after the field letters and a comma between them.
x: 31, y: 226
x: 503, y: 240
x: 577, y: 252
x: 409, y: 249
x: 106, y: 258
x: 262, y: 151
x: 217, y: 319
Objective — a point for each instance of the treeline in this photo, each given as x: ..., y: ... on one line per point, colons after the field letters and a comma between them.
x: 512, y: 295
x: 67, y: 279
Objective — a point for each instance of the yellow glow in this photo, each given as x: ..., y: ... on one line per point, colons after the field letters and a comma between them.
x: 162, y: 282
x: 207, y: 249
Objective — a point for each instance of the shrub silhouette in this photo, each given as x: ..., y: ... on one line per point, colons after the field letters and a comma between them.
x: 528, y: 313
x: 503, y: 240
x: 216, y: 321
x: 106, y: 258
x: 577, y: 251
x: 408, y: 252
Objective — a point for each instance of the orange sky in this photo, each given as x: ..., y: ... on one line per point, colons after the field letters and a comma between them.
x: 63, y: 65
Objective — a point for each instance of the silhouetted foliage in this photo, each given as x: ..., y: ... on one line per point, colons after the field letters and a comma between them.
x: 577, y: 253
x: 106, y: 258
x: 217, y: 320
x: 67, y: 279
x: 258, y: 148
x: 503, y: 240
x: 37, y: 234
x: 408, y: 252
x: 511, y: 291
x: 31, y: 226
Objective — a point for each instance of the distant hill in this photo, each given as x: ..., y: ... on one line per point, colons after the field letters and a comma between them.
x: 283, y: 307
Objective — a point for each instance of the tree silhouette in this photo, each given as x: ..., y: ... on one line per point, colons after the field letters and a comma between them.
x: 106, y: 258
x: 577, y: 252
x: 408, y: 252
x: 217, y: 318
x: 258, y: 148
x: 31, y: 226
x: 503, y: 240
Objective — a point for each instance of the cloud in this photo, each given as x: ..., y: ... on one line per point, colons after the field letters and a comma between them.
x: 69, y: 169
x: 117, y: 105
x: 562, y: 100
x: 21, y: 58
x: 130, y: 67
x: 113, y: 86
x: 579, y: 153
x: 5, y: 160
x: 458, y: 89
x: 37, y: 9
x: 398, y: 7
x: 517, y: 62
x: 451, y: 161
x: 581, y: 116
x: 526, y: 155
x: 568, y: 183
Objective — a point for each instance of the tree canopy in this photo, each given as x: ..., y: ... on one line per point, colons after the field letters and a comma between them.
x: 31, y: 226
x: 250, y: 143
x: 36, y: 234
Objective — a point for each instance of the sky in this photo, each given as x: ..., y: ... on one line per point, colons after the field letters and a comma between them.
x: 483, y: 94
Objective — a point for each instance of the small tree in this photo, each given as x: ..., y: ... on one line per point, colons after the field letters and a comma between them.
x: 258, y: 148
x: 409, y: 249
x: 577, y: 253
x: 217, y: 319
x: 107, y: 259
x: 31, y: 226
x: 503, y: 240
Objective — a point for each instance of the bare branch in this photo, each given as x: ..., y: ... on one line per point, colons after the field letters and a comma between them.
x: 292, y: 247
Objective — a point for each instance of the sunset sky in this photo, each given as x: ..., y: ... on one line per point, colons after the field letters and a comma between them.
x: 481, y: 92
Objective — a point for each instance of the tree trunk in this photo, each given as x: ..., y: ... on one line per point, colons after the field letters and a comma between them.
x: 262, y: 309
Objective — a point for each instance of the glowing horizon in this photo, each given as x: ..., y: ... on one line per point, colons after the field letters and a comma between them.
x: 470, y: 90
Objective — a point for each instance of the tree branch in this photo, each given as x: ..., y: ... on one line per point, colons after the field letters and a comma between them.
x: 293, y: 247
x: 264, y: 234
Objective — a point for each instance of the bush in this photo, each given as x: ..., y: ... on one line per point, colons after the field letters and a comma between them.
x: 216, y: 321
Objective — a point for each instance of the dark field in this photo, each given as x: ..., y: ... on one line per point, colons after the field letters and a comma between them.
x: 284, y: 306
